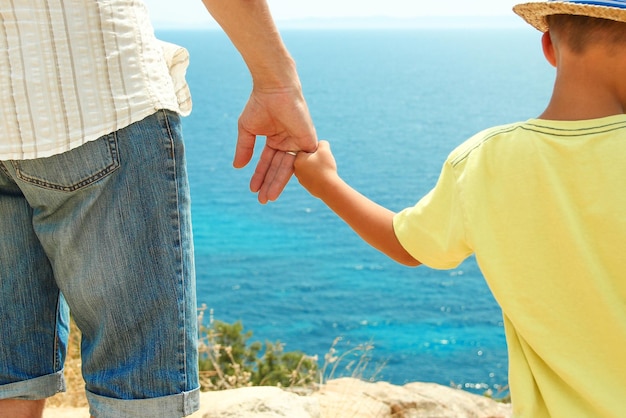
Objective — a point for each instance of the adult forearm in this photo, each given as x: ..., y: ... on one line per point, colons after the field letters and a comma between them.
x: 251, y: 28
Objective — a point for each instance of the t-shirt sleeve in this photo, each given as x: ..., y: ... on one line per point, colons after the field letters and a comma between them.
x: 433, y: 231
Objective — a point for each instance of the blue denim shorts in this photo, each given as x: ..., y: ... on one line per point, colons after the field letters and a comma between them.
x: 103, y: 231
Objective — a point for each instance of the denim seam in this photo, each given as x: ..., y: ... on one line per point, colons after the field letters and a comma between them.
x: 183, y: 308
x: 115, y: 163
x: 5, y: 170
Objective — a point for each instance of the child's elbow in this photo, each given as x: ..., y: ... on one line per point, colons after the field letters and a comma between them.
x: 406, y: 259
x: 411, y: 263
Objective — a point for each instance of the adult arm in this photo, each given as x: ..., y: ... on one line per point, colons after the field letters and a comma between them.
x: 276, y: 108
x: 317, y: 172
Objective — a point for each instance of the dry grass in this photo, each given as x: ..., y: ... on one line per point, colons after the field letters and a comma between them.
x: 352, y: 361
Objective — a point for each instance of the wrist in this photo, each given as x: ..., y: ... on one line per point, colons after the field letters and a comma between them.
x: 330, y: 184
x: 275, y: 75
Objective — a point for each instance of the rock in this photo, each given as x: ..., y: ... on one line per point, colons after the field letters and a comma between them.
x: 355, y: 398
x: 340, y: 398
x: 65, y: 412
x: 349, y: 398
x: 258, y: 402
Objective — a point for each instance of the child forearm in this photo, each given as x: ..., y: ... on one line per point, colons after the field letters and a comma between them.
x: 371, y: 221
x: 317, y: 172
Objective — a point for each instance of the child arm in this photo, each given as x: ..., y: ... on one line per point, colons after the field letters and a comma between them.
x: 317, y: 172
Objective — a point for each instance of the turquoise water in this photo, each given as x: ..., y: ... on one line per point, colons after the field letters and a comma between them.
x: 393, y: 104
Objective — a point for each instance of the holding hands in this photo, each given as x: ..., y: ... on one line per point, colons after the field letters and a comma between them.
x: 276, y: 108
x: 283, y: 117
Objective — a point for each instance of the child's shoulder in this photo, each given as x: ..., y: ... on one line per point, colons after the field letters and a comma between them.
x: 481, y: 138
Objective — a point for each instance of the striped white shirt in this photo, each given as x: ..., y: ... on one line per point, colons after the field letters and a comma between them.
x: 72, y: 71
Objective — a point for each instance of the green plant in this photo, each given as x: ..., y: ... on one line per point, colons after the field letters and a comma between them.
x: 229, y: 360
x: 286, y: 369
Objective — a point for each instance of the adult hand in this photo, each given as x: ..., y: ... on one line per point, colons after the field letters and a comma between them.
x: 282, y: 116
x: 276, y: 108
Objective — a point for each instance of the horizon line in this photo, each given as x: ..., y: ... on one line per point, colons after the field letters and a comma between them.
x: 371, y: 22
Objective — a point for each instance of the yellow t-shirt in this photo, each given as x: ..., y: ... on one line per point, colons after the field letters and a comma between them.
x: 542, y: 205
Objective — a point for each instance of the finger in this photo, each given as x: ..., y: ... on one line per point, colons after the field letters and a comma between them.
x: 244, y: 149
x: 269, y: 176
x: 281, y: 174
x: 324, y: 144
x: 262, y: 168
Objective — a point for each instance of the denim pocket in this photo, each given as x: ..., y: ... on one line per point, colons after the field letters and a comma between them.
x: 74, y: 169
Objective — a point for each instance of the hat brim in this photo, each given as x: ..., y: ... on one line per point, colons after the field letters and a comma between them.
x: 535, y: 13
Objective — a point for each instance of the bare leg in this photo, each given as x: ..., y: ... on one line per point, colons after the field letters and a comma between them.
x: 19, y: 408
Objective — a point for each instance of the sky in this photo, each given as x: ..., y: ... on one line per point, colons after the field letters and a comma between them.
x: 191, y: 13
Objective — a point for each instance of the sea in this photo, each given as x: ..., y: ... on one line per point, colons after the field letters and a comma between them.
x: 393, y: 104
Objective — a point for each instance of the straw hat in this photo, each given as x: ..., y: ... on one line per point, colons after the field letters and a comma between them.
x: 535, y: 12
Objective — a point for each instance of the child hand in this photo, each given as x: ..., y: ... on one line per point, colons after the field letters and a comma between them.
x: 283, y: 118
x: 317, y: 170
